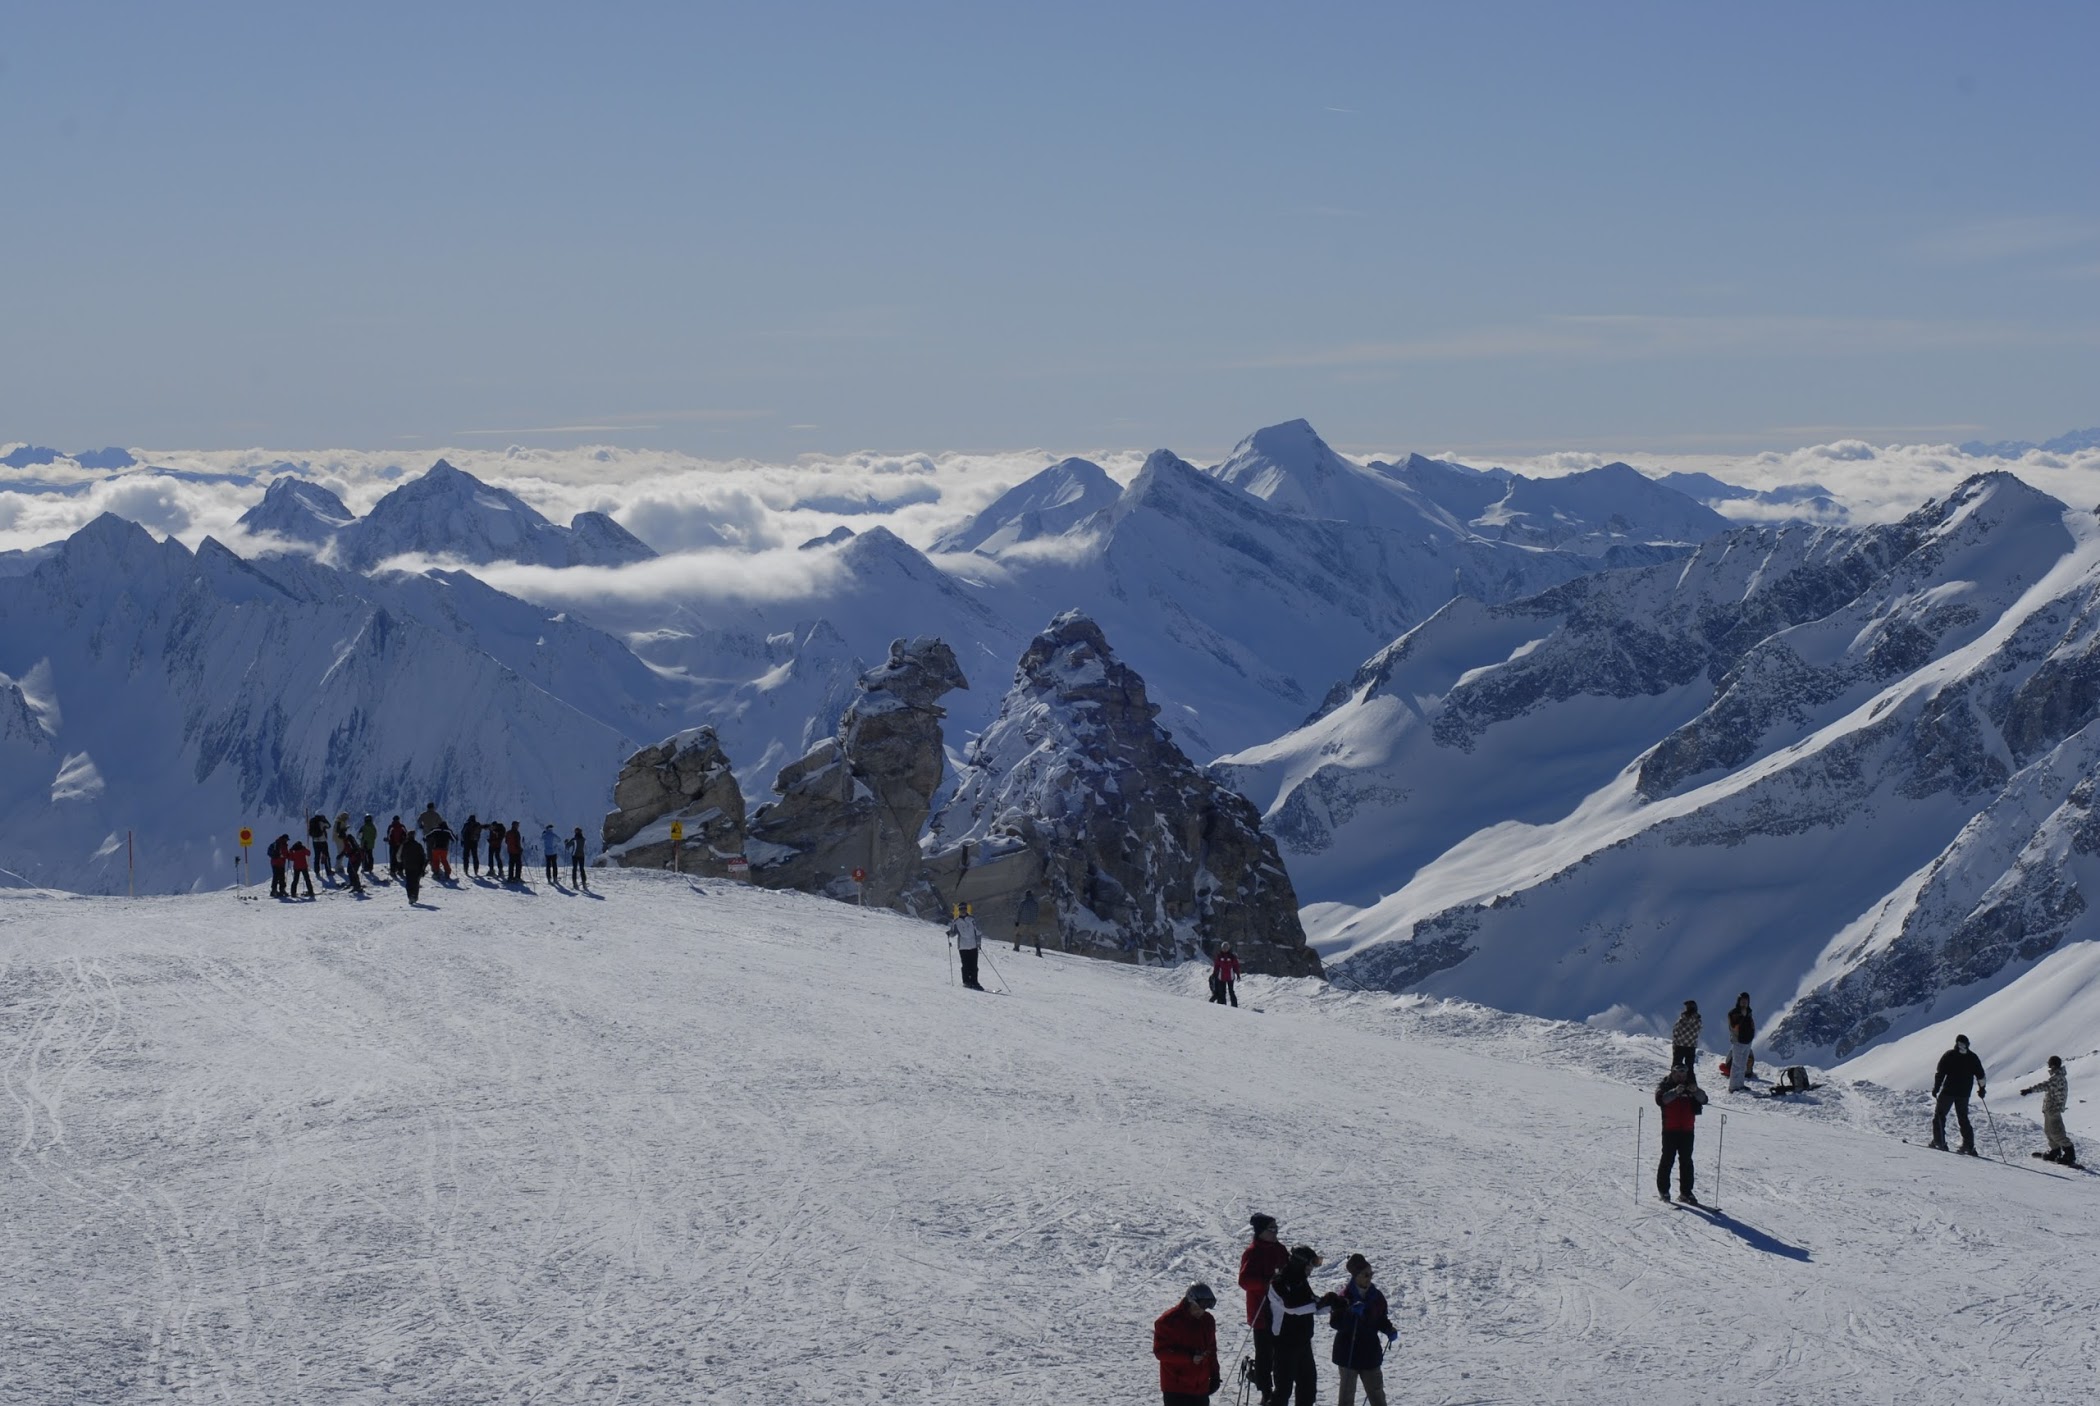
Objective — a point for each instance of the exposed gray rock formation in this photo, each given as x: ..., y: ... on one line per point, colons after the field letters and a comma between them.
x: 687, y: 779
x: 859, y: 799
x: 1076, y: 792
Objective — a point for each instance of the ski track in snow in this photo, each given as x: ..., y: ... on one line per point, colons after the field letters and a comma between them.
x: 736, y: 1146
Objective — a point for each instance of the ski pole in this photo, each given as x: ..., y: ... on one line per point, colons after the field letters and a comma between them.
x: 1720, y: 1151
x: 1003, y: 988
x: 1994, y: 1128
x: 1639, y: 1115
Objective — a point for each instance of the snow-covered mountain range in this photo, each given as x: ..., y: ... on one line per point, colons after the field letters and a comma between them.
x: 1487, y: 715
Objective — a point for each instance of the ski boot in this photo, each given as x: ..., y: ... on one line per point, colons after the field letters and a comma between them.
x: 1664, y: 1196
x: 1968, y: 1149
x: 1685, y: 1198
x: 1938, y: 1144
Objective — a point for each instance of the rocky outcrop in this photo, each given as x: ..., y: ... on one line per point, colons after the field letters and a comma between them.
x: 687, y: 779
x: 859, y: 799
x: 1077, y: 793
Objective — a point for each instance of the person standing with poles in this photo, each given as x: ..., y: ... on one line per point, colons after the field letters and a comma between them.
x: 1026, y: 916
x: 1290, y: 1310
x: 1225, y: 977
x: 576, y: 844
x: 1185, y: 1340
x: 1959, y: 1069
x: 550, y: 851
x: 1259, y: 1262
x: 1681, y: 1100
x: 2056, y: 1096
x: 1742, y: 1029
x: 1359, y: 1318
x: 968, y: 938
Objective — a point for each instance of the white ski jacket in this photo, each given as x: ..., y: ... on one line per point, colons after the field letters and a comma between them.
x: 968, y: 937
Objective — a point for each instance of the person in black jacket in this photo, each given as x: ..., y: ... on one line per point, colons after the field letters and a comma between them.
x: 1359, y: 1319
x: 470, y: 843
x: 1291, y: 1305
x: 278, y: 854
x: 1959, y: 1069
x: 413, y: 863
x: 1742, y: 1029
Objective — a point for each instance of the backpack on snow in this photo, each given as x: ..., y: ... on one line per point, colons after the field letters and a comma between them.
x: 1792, y: 1080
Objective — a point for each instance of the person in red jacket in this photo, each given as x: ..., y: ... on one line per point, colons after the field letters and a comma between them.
x: 1680, y: 1098
x: 1185, y: 1340
x: 1224, y: 972
x: 1259, y: 1262
x: 299, y: 854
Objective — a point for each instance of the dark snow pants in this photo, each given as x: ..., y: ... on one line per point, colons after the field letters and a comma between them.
x: 517, y: 868
x: 1264, y: 1356
x: 297, y: 875
x: 276, y: 881
x: 576, y: 879
x: 1222, y: 992
x: 413, y: 885
x: 496, y: 855
x: 393, y: 859
x: 1296, y: 1371
x: 1677, y: 1147
x: 472, y: 852
x: 1684, y: 1056
x: 1959, y: 1102
x: 553, y: 870
x: 969, y: 966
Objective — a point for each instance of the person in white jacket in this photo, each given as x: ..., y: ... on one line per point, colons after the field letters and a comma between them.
x: 968, y: 938
x: 2056, y: 1096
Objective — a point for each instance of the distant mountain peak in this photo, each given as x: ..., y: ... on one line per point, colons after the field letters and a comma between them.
x: 1046, y: 504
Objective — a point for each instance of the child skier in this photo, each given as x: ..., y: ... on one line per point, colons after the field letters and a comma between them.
x: 2056, y: 1095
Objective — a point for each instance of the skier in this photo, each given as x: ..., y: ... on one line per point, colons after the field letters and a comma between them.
x: 577, y: 844
x: 1025, y: 918
x: 1259, y: 1262
x: 514, y: 847
x: 1742, y: 1029
x: 344, y: 840
x: 968, y: 938
x: 1291, y: 1306
x: 276, y: 855
x: 395, y: 834
x: 1225, y: 976
x: 429, y: 820
x: 413, y: 864
x: 495, y: 834
x: 1185, y: 1340
x: 1684, y: 1037
x: 298, y: 854
x: 353, y: 859
x: 2056, y: 1094
x: 439, y: 841
x: 317, y: 841
x: 368, y: 841
x: 470, y: 843
x: 1681, y: 1099
x: 1359, y: 1318
x: 1959, y: 1068
x: 550, y: 850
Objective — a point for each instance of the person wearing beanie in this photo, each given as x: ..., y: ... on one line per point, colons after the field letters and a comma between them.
x: 1359, y: 1319
x: 1681, y: 1100
x: 1291, y: 1305
x: 2056, y: 1094
x: 1185, y: 1340
x: 1684, y: 1037
x: 1958, y: 1071
x: 1259, y: 1262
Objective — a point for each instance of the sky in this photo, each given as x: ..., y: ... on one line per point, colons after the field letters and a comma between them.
x: 766, y: 231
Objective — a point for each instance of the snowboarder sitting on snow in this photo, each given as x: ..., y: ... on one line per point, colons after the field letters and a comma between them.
x: 1959, y: 1068
x: 2056, y: 1095
x: 1684, y: 1037
x: 413, y: 864
x: 1680, y: 1098
x: 1259, y: 1262
x: 1742, y: 1029
x: 1359, y: 1318
x: 968, y: 938
x: 299, y: 854
x: 1291, y: 1306
x: 1224, y: 977
x: 1185, y: 1340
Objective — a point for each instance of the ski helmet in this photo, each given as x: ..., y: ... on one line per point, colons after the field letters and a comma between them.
x: 1306, y: 1255
x: 1200, y: 1295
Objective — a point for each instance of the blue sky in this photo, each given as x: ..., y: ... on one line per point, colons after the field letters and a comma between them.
x: 769, y: 229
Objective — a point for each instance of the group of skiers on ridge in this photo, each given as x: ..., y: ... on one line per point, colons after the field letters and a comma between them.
x: 348, y: 853
x: 1282, y: 1307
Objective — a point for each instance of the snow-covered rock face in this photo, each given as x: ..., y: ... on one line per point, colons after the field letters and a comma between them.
x: 859, y: 799
x: 1690, y: 780
x: 1076, y: 794
x: 183, y: 695
x: 452, y: 514
x: 299, y: 511
x: 686, y: 778
x: 1051, y: 503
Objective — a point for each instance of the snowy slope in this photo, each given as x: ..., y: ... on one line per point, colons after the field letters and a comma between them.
x: 743, y: 1147
x: 1049, y: 504
x: 179, y: 696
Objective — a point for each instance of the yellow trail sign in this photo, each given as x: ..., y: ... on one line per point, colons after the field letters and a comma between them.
x: 677, y: 831
x: 247, y: 837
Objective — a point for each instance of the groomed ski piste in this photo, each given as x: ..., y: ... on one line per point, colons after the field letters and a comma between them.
x: 683, y: 1141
